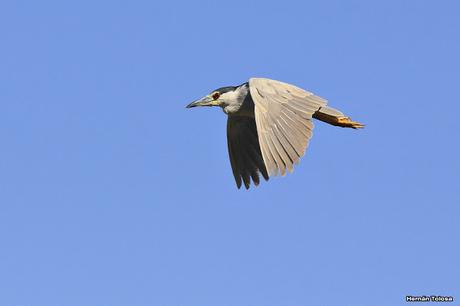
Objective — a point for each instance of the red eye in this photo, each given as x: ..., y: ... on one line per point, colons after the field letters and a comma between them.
x: 216, y: 96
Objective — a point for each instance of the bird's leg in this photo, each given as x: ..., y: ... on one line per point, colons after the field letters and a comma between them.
x: 347, y: 122
x: 336, y: 120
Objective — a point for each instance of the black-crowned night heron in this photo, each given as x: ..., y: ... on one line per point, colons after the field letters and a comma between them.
x: 269, y: 125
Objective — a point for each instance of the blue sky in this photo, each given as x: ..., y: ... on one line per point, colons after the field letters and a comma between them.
x: 112, y: 193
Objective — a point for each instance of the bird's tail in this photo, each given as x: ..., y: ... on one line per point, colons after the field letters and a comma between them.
x: 332, y: 116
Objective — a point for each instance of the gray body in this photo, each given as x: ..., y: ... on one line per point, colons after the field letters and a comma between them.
x: 269, y: 125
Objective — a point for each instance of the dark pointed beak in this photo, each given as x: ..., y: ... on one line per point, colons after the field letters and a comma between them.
x: 205, y: 101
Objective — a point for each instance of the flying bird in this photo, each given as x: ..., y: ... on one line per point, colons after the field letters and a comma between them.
x: 269, y: 125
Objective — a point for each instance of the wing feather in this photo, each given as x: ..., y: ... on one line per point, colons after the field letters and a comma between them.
x: 267, y: 155
x: 279, y: 165
x: 244, y: 151
x: 283, y: 115
x: 287, y: 148
x: 286, y: 130
x: 282, y: 158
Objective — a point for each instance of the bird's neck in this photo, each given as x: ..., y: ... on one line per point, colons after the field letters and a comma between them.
x: 237, y: 102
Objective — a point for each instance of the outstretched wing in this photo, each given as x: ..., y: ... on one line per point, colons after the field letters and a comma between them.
x: 244, y: 151
x: 283, y: 115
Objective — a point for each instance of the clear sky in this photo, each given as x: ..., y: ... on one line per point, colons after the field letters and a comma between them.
x: 112, y: 193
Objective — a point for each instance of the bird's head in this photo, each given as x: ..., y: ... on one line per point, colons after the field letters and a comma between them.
x: 222, y: 97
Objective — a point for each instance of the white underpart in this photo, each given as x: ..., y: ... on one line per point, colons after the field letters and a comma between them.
x: 232, y: 100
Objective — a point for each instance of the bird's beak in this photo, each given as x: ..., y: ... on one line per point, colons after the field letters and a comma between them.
x: 205, y: 101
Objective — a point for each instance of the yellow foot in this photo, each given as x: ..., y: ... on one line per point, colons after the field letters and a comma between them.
x: 347, y: 122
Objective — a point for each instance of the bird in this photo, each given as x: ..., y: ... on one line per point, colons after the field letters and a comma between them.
x: 269, y: 125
